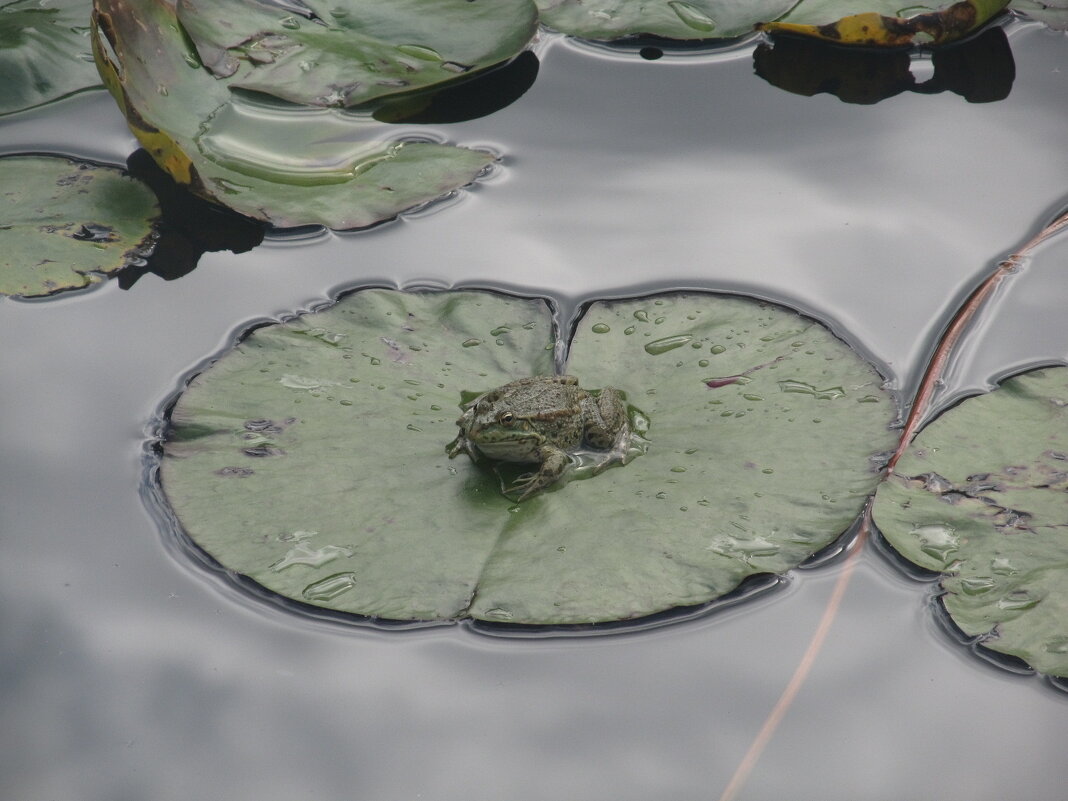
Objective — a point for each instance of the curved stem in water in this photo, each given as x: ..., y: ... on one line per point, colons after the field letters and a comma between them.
x: 921, y: 407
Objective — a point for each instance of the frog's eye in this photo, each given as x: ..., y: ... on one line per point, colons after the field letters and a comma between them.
x: 507, y: 418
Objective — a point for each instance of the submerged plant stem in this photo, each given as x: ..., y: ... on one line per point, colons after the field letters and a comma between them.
x: 808, y: 659
x: 964, y: 316
x: 920, y: 407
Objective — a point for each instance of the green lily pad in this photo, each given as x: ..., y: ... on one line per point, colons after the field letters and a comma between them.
x: 44, y: 52
x: 312, y: 457
x: 348, y: 52
x: 64, y: 223
x: 981, y: 496
x: 284, y: 164
x: 885, y: 23
x: 695, y: 19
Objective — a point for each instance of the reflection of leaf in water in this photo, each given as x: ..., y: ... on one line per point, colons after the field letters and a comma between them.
x: 284, y: 164
x: 980, y: 69
x: 981, y: 496
x: 189, y: 226
x: 479, y: 96
x: 740, y: 478
x: 64, y: 223
x: 810, y: 67
x: 44, y: 52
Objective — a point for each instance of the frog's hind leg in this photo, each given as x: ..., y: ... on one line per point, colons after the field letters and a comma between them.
x: 606, y: 418
x: 555, y: 461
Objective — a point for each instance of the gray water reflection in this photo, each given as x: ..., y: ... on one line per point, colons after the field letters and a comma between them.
x: 128, y: 674
x: 187, y: 697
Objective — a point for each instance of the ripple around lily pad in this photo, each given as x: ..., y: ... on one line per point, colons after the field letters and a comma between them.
x: 357, y: 508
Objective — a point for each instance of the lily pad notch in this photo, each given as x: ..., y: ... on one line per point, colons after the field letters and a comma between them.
x: 311, y: 457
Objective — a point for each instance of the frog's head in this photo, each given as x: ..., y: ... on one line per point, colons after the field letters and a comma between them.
x: 499, y: 433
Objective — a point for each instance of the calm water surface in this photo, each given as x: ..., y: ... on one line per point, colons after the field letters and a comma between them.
x: 127, y: 673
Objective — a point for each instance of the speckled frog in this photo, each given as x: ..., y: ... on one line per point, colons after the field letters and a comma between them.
x: 538, y: 420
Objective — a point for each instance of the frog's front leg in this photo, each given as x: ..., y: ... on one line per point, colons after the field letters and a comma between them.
x: 553, y: 463
x: 604, y: 417
x: 461, y: 445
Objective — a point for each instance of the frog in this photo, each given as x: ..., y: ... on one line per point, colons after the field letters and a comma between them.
x: 538, y: 420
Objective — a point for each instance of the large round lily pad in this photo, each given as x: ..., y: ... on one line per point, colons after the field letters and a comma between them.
x: 675, y: 19
x: 285, y: 164
x: 981, y: 496
x: 348, y: 52
x: 44, y: 52
x: 64, y: 223
x: 312, y: 457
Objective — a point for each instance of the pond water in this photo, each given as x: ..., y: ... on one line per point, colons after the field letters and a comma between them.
x: 130, y: 673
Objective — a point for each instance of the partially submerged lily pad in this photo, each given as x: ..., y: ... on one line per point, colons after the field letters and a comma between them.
x: 694, y: 19
x: 284, y: 164
x: 348, y: 52
x: 885, y: 23
x: 981, y: 496
x: 291, y: 166
x: 312, y: 459
x: 64, y: 223
x: 44, y: 52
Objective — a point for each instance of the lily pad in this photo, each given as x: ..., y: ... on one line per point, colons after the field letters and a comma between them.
x: 64, y: 223
x: 284, y: 164
x: 981, y: 496
x: 1054, y: 15
x: 312, y: 457
x: 348, y: 52
x: 885, y: 23
x: 695, y: 19
x: 291, y: 165
x: 44, y: 52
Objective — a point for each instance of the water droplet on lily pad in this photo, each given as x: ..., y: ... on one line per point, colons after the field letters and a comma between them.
x: 1017, y: 600
x: 420, y: 52
x: 329, y: 588
x: 658, y: 346
x: 937, y: 540
x: 693, y: 16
